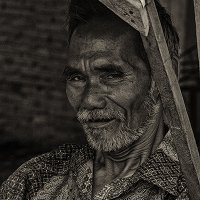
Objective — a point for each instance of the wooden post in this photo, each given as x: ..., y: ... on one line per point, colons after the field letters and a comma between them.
x: 197, y: 20
x: 173, y: 104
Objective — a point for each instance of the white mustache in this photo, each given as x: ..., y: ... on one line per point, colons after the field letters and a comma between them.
x: 86, y: 115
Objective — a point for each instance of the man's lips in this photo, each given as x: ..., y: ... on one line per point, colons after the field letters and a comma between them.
x: 100, y: 123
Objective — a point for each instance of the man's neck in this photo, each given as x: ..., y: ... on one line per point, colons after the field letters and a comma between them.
x: 124, y: 162
x: 142, y: 148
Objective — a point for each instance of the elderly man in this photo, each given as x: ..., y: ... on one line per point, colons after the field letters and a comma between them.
x: 130, y: 153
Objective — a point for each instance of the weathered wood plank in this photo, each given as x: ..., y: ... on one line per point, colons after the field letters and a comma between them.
x: 133, y: 12
x: 197, y: 20
x: 173, y: 103
x: 172, y: 99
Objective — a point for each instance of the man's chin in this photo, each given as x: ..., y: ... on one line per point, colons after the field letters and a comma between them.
x: 109, y: 139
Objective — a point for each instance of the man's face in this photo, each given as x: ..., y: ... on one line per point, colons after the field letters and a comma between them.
x: 107, y: 82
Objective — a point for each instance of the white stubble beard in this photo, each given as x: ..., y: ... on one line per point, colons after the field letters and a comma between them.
x: 101, y: 139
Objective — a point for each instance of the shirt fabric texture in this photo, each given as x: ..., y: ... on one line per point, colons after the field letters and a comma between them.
x: 67, y: 174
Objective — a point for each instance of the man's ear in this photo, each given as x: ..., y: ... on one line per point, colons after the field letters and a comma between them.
x: 154, y: 91
x: 155, y: 97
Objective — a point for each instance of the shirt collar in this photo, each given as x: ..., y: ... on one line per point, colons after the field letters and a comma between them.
x: 163, y: 167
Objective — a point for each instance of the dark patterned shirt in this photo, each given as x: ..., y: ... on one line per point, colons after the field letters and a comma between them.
x: 67, y: 174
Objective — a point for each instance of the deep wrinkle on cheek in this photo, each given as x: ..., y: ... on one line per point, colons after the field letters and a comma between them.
x: 74, y: 96
x: 120, y: 96
x: 133, y: 97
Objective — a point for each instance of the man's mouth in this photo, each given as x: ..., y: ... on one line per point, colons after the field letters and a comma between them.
x: 100, y: 123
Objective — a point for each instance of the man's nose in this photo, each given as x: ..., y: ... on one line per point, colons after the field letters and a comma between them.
x: 94, y: 100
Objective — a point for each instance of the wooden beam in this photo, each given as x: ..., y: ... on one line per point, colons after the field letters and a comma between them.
x: 197, y: 20
x: 132, y: 12
x: 173, y: 104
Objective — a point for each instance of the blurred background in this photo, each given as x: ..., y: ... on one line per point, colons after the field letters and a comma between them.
x: 35, y: 116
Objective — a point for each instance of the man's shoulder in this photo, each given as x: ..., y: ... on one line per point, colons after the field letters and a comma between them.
x: 32, y: 175
x: 55, y: 161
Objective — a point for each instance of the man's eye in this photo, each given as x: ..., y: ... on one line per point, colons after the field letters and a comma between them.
x: 75, y: 78
x: 113, y: 76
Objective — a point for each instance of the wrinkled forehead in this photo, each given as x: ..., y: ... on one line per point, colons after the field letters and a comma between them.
x: 105, y: 36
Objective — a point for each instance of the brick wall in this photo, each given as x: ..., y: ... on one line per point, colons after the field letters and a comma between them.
x: 34, y: 113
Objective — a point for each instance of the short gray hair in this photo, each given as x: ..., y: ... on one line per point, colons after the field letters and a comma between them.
x: 82, y: 11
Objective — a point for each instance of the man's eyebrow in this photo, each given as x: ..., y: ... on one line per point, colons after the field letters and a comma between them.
x: 70, y: 70
x: 108, y: 68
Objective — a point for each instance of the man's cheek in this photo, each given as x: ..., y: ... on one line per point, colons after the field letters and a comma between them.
x: 74, y: 97
x: 124, y: 98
